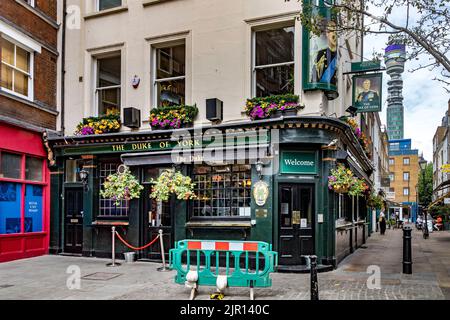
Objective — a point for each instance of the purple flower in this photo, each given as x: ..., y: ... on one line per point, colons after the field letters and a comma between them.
x: 87, y: 130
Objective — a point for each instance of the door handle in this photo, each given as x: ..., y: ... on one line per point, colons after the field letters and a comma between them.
x: 82, y: 214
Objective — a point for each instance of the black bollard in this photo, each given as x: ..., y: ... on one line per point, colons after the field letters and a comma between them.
x: 314, y: 284
x: 407, y: 254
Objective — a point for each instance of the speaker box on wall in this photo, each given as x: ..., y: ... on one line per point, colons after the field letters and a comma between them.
x: 131, y: 117
x: 214, y: 109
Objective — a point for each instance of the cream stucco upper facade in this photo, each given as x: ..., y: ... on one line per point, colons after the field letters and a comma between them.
x: 218, y: 39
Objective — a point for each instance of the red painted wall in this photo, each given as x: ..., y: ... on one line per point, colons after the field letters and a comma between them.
x: 26, y: 245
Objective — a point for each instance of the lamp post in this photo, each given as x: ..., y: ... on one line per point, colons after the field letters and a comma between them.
x: 423, y: 166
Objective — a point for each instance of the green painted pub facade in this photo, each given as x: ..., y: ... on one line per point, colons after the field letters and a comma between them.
x: 300, y: 216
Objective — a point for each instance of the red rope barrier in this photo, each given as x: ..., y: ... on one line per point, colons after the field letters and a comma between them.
x: 136, y: 248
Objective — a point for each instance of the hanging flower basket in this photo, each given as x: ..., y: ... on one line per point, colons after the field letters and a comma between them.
x: 357, y: 188
x: 121, y: 186
x: 172, y: 182
x: 340, y: 179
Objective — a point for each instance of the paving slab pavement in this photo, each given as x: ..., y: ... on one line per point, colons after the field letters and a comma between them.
x: 47, y: 277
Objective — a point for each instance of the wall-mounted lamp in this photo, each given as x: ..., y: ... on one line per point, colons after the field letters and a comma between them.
x: 259, y: 168
x: 352, y: 110
x: 84, y: 175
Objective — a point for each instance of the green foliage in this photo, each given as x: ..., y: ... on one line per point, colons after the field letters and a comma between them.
x: 121, y: 186
x: 426, y: 185
x: 375, y: 201
x: 171, y: 181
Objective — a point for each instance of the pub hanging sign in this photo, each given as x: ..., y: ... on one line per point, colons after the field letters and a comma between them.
x: 367, y: 92
x: 320, y: 54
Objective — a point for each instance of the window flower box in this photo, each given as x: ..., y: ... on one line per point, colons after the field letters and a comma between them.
x: 173, y: 117
x: 272, y: 106
x: 108, y: 123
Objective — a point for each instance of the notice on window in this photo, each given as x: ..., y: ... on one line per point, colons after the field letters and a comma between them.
x: 303, y: 223
x: 284, y: 208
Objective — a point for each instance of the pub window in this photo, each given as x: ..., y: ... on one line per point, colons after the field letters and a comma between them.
x: 222, y: 191
x: 273, y: 62
x: 170, y: 78
x: 108, y: 4
x: 73, y: 168
x: 108, y: 207
x: 108, y: 85
x: 341, y: 206
x: 21, y: 193
x: 15, y: 68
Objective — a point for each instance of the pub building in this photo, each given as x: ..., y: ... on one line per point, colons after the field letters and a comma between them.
x: 292, y: 155
x: 268, y: 178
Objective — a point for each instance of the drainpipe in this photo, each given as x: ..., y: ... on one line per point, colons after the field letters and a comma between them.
x: 63, y: 67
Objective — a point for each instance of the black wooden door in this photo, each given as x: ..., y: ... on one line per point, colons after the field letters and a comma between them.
x: 73, y: 234
x: 158, y: 215
x: 296, y: 221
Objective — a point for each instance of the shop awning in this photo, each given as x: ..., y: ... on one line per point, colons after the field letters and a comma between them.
x: 228, y: 154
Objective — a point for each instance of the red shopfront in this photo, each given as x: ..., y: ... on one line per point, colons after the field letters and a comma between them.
x: 24, y: 194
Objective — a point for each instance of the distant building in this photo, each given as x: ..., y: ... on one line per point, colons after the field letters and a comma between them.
x: 395, y: 57
x: 404, y: 172
x: 441, y: 155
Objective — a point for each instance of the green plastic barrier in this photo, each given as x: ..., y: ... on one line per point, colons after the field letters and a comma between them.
x: 212, y: 252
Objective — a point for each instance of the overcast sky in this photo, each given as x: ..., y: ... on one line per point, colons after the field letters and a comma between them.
x: 425, y: 101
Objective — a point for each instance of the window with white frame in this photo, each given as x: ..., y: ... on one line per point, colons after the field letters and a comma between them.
x: 273, y: 61
x: 391, y: 161
x: 391, y: 177
x: 108, y: 4
x: 405, y: 176
x: 406, y: 161
x: 405, y: 191
x: 16, y: 66
x: 169, y: 81
x: 108, y: 85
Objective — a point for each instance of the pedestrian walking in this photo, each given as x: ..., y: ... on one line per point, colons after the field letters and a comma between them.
x: 382, y: 222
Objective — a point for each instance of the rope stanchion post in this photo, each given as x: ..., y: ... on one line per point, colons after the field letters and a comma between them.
x: 113, y: 249
x: 163, y: 256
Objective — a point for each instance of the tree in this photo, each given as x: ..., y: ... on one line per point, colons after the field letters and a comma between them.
x: 425, y: 29
x: 426, y: 185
